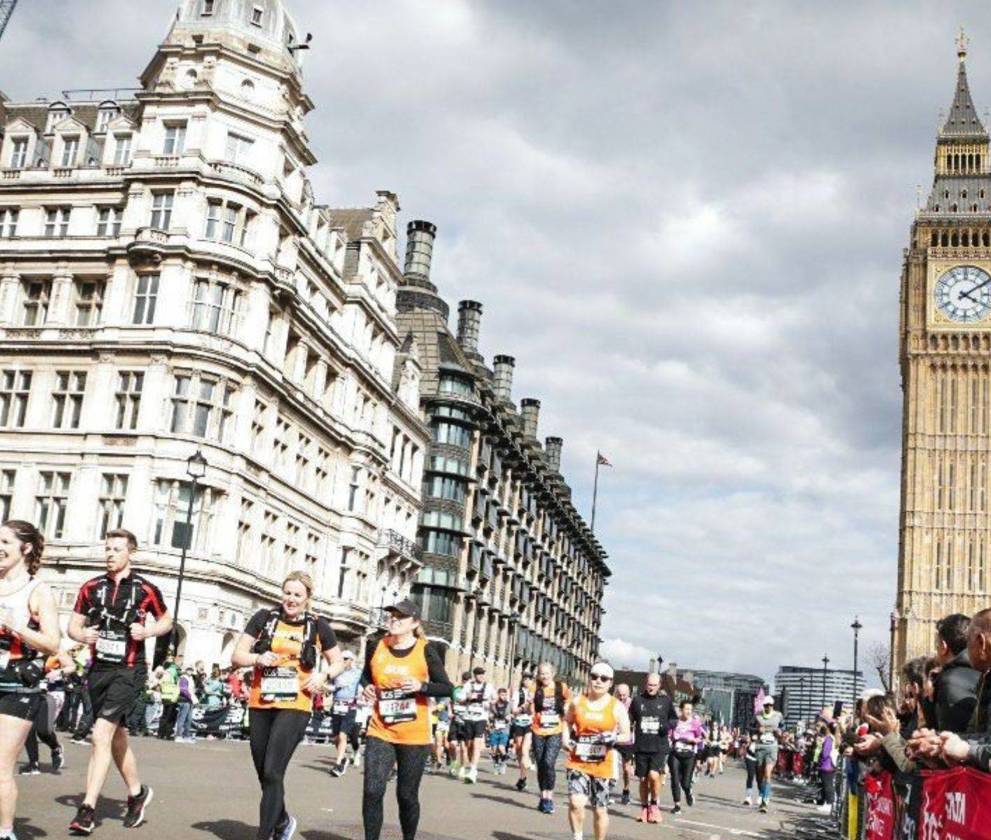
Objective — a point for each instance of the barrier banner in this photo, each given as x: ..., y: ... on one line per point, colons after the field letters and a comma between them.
x: 798, y: 764
x: 320, y: 727
x: 956, y: 805
x: 782, y: 766
x: 852, y: 817
x: 879, y: 819
x: 908, y: 797
x: 217, y: 722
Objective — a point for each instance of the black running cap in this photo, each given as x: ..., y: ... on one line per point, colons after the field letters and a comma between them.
x: 406, y: 608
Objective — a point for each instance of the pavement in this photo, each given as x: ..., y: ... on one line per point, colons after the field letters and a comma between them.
x: 209, y: 790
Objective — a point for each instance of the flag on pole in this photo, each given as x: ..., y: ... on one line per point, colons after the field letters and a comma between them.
x: 603, y: 460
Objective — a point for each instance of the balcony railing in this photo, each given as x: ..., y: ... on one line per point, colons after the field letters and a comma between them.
x: 403, y: 546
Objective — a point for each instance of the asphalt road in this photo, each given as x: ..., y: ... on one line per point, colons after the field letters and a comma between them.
x: 208, y: 790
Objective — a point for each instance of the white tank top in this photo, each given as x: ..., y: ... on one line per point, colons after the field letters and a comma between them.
x: 17, y: 610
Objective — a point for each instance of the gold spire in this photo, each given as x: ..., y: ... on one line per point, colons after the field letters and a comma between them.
x: 962, y: 41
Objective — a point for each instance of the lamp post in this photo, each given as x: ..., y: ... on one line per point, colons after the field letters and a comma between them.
x: 825, y: 663
x: 195, y: 469
x: 856, y: 626
x: 804, y: 699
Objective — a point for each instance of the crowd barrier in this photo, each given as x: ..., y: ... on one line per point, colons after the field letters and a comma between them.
x: 233, y: 721
x: 934, y: 805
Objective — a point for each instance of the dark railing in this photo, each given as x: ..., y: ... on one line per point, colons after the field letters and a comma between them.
x: 401, y: 545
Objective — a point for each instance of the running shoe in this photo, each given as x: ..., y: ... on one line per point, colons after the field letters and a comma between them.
x: 30, y: 769
x: 356, y: 760
x: 58, y: 759
x: 550, y: 806
x: 825, y: 808
x: 82, y: 825
x: 339, y: 769
x: 286, y: 830
x: 676, y: 809
x: 653, y: 813
x: 689, y: 798
x: 747, y: 801
x: 644, y: 814
x: 471, y: 776
x: 136, y: 807
x: 455, y: 770
x: 763, y: 806
x: 520, y: 784
x: 625, y: 799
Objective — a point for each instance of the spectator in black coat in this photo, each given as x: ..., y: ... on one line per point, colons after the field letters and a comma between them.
x: 956, y: 683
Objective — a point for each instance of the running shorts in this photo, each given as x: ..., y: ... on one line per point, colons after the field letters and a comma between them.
x: 113, y: 691
x: 499, y: 738
x: 20, y: 705
x: 342, y: 723
x: 626, y: 751
x: 767, y: 752
x: 593, y: 788
x: 473, y: 729
x: 457, y: 732
x: 652, y: 762
x: 518, y: 731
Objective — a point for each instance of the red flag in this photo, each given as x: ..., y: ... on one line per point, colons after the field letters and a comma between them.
x: 602, y: 459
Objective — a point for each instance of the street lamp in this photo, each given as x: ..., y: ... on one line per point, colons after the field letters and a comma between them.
x: 195, y: 469
x: 856, y: 627
x: 825, y: 662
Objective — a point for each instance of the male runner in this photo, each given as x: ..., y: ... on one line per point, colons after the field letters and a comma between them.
x: 651, y: 714
x: 769, y: 725
x: 110, y: 616
x: 343, y: 709
x: 478, y: 697
x: 456, y: 737
x: 499, y: 738
x: 625, y: 747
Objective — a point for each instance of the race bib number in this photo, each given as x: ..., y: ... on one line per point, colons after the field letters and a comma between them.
x: 549, y: 719
x: 458, y: 710
x: 279, y: 684
x: 768, y: 738
x: 499, y: 725
x: 475, y: 713
x: 522, y: 721
x: 591, y: 749
x: 650, y: 725
x: 111, y: 646
x: 681, y: 748
x: 341, y: 708
x: 397, y: 706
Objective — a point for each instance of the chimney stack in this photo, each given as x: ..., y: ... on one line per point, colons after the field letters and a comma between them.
x: 552, y: 449
x: 469, y: 324
x: 419, y: 252
x: 502, y: 377
x: 530, y: 412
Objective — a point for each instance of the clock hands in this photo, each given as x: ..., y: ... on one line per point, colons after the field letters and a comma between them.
x: 978, y: 286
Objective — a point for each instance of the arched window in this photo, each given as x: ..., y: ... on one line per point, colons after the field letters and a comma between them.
x: 955, y: 240
x: 965, y: 239
x: 945, y: 241
x: 953, y: 207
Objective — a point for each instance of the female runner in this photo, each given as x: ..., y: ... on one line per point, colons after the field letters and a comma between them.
x: 402, y: 671
x: 28, y: 627
x: 283, y: 645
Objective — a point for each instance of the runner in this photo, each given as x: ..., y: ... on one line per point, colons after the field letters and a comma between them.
x: 550, y: 700
x: 686, y: 735
x: 650, y: 716
x: 456, y: 744
x: 769, y: 726
x: 28, y: 627
x: 478, y: 696
x: 43, y: 727
x: 110, y: 616
x: 624, y: 749
x: 596, y: 720
x: 284, y: 645
x: 499, y: 738
x: 401, y: 672
x: 343, y: 710
x: 441, y: 719
x: 725, y: 745
x: 713, y: 749
x: 519, y: 730
x: 750, y: 760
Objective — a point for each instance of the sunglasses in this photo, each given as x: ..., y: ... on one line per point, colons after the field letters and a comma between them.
x: 601, y: 677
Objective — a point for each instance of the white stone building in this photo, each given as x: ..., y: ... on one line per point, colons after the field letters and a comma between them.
x: 168, y: 284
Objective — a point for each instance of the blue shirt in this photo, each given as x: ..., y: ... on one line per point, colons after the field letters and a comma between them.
x: 346, y: 684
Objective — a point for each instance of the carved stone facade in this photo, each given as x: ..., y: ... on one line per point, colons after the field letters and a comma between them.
x: 168, y: 284
x: 945, y: 336
x: 512, y: 575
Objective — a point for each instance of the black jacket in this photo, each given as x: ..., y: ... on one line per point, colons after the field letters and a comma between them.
x: 956, y: 694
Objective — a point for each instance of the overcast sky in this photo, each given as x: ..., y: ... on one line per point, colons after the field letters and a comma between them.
x: 685, y: 221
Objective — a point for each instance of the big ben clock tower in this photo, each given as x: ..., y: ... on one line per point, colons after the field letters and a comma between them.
x: 945, y: 349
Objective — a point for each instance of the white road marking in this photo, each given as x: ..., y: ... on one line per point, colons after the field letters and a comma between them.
x: 733, y: 832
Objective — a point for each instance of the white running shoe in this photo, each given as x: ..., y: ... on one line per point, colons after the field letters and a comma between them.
x: 748, y: 801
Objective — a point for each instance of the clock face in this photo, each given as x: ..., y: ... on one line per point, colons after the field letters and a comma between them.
x: 963, y: 294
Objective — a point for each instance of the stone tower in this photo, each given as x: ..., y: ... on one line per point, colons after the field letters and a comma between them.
x: 945, y: 349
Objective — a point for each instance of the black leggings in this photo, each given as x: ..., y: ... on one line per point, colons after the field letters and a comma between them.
x: 409, y: 759
x: 43, y: 728
x: 545, y: 751
x: 275, y: 734
x: 828, y: 778
x: 751, y: 771
x: 682, y: 771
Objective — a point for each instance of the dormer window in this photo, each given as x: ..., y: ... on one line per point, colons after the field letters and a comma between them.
x: 103, y: 117
x: 257, y: 14
x: 207, y: 8
x: 55, y: 116
x: 19, y: 153
x: 70, y: 149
